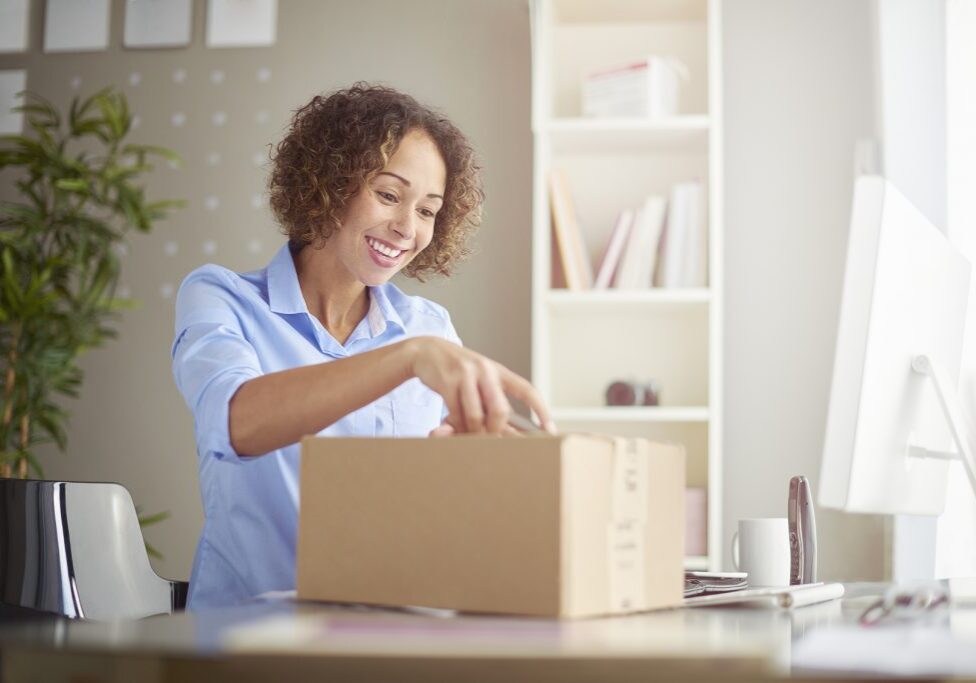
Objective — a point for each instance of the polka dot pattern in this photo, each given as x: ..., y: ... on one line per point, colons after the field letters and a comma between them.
x: 176, y: 246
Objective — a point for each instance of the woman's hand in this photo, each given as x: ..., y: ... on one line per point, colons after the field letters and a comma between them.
x: 445, y: 429
x: 475, y: 388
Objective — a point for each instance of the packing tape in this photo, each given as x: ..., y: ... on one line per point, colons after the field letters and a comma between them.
x: 625, y: 532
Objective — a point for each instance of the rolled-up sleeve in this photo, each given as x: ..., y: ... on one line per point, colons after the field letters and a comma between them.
x: 212, y: 357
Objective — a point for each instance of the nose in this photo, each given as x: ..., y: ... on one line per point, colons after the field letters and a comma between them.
x: 404, y: 223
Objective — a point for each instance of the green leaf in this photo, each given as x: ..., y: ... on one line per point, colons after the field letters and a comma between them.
x: 149, y: 520
x: 72, y: 184
x: 12, y: 288
x: 32, y: 463
x: 164, y: 206
x: 48, y: 421
x: 167, y: 154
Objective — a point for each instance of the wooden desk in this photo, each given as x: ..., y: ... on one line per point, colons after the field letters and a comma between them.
x: 310, y: 641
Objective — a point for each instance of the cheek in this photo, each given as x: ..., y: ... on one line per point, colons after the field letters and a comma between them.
x: 428, y: 237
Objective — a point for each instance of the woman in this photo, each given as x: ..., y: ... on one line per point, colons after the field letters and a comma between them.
x: 366, y: 183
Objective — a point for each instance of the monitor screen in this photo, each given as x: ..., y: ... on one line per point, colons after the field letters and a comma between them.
x: 906, y: 291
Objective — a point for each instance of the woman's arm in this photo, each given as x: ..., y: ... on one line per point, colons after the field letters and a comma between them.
x: 278, y: 409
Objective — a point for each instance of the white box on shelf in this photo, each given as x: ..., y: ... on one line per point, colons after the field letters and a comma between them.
x: 648, y: 88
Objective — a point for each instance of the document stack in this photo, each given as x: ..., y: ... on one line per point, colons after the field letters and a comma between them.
x: 647, y: 88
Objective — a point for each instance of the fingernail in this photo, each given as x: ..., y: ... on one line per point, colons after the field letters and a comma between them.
x: 550, y: 426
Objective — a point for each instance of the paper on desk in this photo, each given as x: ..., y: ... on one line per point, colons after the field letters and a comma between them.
x: 912, y: 650
x: 786, y: 597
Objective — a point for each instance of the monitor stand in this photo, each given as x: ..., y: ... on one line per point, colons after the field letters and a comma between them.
x: 960, y: 428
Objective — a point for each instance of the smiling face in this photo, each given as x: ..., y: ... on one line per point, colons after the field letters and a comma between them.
x: 391, y: 219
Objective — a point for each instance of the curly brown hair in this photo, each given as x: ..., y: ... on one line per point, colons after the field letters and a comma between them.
x: 337, y: 143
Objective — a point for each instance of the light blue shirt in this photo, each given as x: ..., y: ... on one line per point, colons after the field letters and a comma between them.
x: 231, y: 328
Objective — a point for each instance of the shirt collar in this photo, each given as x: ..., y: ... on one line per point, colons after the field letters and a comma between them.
x: 381, y: 312
x: 285, y: 294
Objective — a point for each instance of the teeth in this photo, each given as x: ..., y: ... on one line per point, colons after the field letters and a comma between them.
x: 383, y: 249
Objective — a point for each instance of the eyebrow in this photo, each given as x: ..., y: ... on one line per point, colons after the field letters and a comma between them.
x: 407, y: 183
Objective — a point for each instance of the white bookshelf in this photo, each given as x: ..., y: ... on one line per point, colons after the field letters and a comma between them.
x: 583, y: 340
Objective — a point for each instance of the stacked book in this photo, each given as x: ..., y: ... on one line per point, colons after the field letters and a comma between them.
x: 662, y: 243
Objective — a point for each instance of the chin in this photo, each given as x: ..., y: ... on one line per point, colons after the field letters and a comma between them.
x: 377, y: 279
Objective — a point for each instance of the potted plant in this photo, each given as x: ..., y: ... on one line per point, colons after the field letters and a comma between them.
x: 79, y: 194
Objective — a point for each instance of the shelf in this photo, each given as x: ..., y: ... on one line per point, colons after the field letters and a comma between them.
x: 630, y: 136
x: 568, y: 299
x: 587, y: 11
x: 583, y: 340
x: 631, y: 414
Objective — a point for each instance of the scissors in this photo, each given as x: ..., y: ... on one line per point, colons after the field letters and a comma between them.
x: 524, y: 424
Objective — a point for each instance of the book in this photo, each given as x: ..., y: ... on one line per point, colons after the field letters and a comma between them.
x: 683, y: 253
x: 640, y: 257
x: 695, y: 271
x: 575, y: 262
x: 655, y: 209
x: 614, y: 249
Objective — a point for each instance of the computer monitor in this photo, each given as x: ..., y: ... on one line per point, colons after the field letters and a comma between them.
x: 893, y: 421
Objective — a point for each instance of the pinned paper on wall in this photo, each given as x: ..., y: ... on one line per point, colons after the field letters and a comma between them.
x: 13, y: 25
x: 11, y: 83
x: 76, y: 25
x: 241, y: 23
x: 157, y: 23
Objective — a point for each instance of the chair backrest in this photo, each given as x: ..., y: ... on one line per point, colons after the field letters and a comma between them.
x: 75, y: 548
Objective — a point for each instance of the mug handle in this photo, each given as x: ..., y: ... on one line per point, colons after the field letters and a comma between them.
x: 735, y: 551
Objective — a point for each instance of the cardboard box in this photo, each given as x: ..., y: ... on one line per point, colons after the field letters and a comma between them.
x: 568, y: 526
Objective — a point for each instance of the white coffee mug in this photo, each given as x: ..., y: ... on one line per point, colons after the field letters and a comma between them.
x: 761, y: 547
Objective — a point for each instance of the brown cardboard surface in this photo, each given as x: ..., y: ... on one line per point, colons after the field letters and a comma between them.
x: 484, y: 524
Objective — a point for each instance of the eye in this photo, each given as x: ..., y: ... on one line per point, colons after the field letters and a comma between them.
x: 427, y: 213
x: 388, y: 196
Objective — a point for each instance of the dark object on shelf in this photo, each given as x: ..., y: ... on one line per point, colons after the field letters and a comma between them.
x: 622, y: 393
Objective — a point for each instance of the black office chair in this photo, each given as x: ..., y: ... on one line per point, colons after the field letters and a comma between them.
x: 75, y: 549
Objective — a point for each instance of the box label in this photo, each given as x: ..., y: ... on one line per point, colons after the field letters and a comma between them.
x: 625, y: 534
x: 625, y: 551
x: 630, y: 472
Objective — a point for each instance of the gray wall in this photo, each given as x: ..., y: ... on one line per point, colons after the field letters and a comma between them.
x: 798, y: 93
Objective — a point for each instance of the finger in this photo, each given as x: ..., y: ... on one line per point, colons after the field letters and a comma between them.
x: 474, y: 414
x: 497, y: 407
x: 455, y: 416
x: 508, y: 430
x: 519, y: 387
x: 444, y: 429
